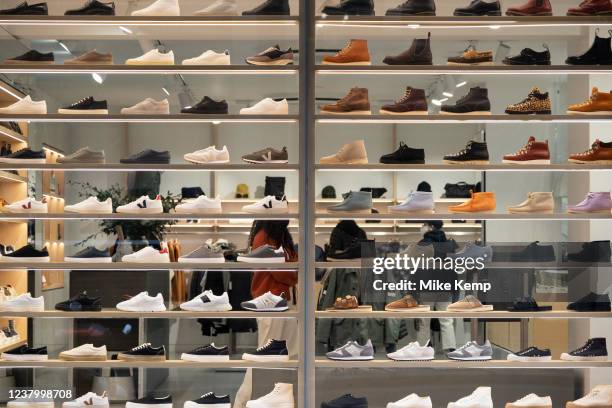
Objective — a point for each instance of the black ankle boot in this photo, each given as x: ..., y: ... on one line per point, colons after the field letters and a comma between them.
x: 419, y: 53
x: 596, y: 251
x: 600, y: 53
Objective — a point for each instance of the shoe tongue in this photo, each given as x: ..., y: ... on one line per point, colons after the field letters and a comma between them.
x: 595, y: 91
x: 531, y: 139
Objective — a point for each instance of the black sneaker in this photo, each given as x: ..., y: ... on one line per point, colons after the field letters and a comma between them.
x: 414, y: 8
x: 474, y: 153
x: 148, y: 156
x: 270, y: 8
x: 479, y: 8
x: 25, y: 353
x: 80, y: 303
x: 23, y: 9
x: 346, y: 401
x: 528, y: 304
x: 209, y: 400
x: 26, y: 155
x: 529, y: 57
x: 273, y: 350
x: 404, y: 155
x: 144, y: 352
x: 531, y: 354
x: 591, y: 303
x: 534, y: 252
x: 593, y: 350
x: 32, y: 57
x: 151, y: 402
x: 350, y: 8
x: 207, y: 353
x: 90, y: 254
x: 93, y: 8
x: 476, y: 102
x: 27, y: 253
x: 595, y: 251
x: 86, y: 106
x: 207, y: 106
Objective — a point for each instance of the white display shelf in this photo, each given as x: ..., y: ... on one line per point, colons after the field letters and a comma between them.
x: 173, y: 118
x: 118, y: 167
x: 5, y: 176
x: 432, y: 119
x: 458, y: 216
x: 148, y: 364
x: 379, y: 363
x: 381, y: 314
x: 171, y: 314
x: 11, y: 136
x: 376, y: 69
x: 568, y: 167
x: 123, y: 266
x: 149, y: 69
x: 164, y: 216
x: 464, y: 21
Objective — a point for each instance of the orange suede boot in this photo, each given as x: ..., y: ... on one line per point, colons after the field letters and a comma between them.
x: 480, y: 202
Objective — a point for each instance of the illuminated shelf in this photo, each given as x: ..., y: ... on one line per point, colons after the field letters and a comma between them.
x: 5, y: 176
x: 13, y: 345
x: 463, y: 21
x: 149, y: 167
x: 149, y: 364
x: 123, y: 266
x: 381, y: 314
x: 149, y: 69
x: 164, y: 216
x: 172, y: 314
x: 470, y: 216
x: 462, y: 118
x: 460, y: 70
x: 11, y: 136
x: 379, y: 363
x: 147, y: 20
x: 173, y: 118
x: 357, y: 263
x: 461, y: 167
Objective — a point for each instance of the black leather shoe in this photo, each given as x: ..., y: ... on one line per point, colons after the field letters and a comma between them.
x: 207, y: 106
x: 479, y: 8
x: 476, y: 100
x: 32, y: 57
x: 93, y: 8
x: 404, y: 155
x: 23, y: 9
x: 528, y: 304
x: 414, y: 8
x: 270, y: 8
x: 529, y: 57
x: 600, y: 53
x: 351, y: 8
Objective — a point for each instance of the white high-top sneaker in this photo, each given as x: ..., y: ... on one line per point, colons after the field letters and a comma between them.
x: 599, y: 397
x: 267, y: 106
x: 153, y: 57
x: 160, y: 8
x: 219, y: 8
x: 210, y: 155
x: 531, y: 401
x: 91, y: 205
x: 411, y: 401
x: 280, y: 397
x: 210, y: 57
x: 480, y: 398
x: 26, y: 106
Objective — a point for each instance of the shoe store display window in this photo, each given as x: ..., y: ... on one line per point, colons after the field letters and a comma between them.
x: 292, y: 203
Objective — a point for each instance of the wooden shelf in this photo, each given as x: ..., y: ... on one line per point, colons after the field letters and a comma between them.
x: 150, y: 167
x: 148, y: 364
x: 145, y: 20
x: 11, y: 136
x: 454, y: 69
x: 6, y: 347
x: 125, y: 266
x: 458, y: 216
x: 172, y: 314
x: 148, y: 69
x: 11, y: 178
x: 373, y: 119
x: 164, y: 216
x: 379, y: 363
x: 381, y: 314
x: 173, y: 118
x: 462, y: 167
x: 457, y: 21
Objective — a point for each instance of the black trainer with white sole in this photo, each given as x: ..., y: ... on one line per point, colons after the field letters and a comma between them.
x: 209, y: 400
x: 86, y: 106
x: 594, y: 350
x: 209, y: 352
x: 150, y: 402
x: 531, y: 354
x: 273, y: 350
x: 25, y: 353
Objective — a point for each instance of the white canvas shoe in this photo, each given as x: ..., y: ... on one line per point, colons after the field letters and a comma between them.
x: 148, y: 106
x: 280, y: 397
x: 142, y: 302
x: 269, y: 205
x: 153, y: 57
x: 413, y: 352
x: 210, y: 57
x: 531, y: 401
x: 480, y: 398
x: 411, y: 401
x: 219, y: 8
x: 26, y: 106
x: 599, y: 397
x: 148, y: 255
x: 143, y: 205
x: 160, y: 8
x: 89, y: 400
x: 91, y: 205
x: 210, y: 155
x: 208, y: 302
x: 267, y: 106
x: 27, y: 205
x: 24, y: 303
x: 200, y: 205
x: 84, y: 352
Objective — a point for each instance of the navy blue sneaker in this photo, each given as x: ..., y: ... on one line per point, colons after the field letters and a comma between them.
x: 346, y: 401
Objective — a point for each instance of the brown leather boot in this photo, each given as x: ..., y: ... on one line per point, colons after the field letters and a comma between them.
x: 419, y: 53
x: 599, y: 153
x: 534, y: 152
x: 600, y: 103
x: 412, y: 103
x: 355, y: 53
x: 356, y: 102
x: 531, y: 8
x: 592, y: 8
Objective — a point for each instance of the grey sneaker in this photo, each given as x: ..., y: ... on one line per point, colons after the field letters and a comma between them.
x: 83, y: 155
x: 264, y: 254
x: 92, y: 57
x: 352, y: 351
x: 472, y: 351
x: 272, y: 56
x: 203, y: 254
x: 267, y: 155
x: 354, y: 201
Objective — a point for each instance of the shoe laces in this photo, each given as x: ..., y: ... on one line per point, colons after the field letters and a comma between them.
x: 346, y: 49
x: 465, y: 346
x: 583, y: 348
x: 594, y: 147
x: 143, y: 346
x: 524, y: 150
x: 463, y: 151
x: 81, y: 101
x: 403, y: 99
x: 265, y: 346
x: 591, y: 99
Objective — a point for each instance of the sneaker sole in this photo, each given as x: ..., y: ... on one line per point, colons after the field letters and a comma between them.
x: 529, y: 359
x: 412, y: 359
x: 203, y: 359
x: 141, y: 211
x: 415, y: 113
x: 565, y: 357
x: 25, y: 259
x: 23, y: 211
x: 484, y: 308
x: 126, y: 357
x: 604, y: 211
x: 347, y: 63
x: 269, y: 309
x: 148, y: 63
x: 107, y: 259
x: 248, y: 259
x: 144, y: 310
x: 207, y: 162
x: 539, y: 161
x: 17, y: 62
x: 467, y: 113
x: 423, y: 308
x: 589, y: 113
x: 359, y: 358
x: 191, y: 404
x: 360, y: 112
x: 202, y: 260
x: 69, y: 210
x: 83, y: 111
x: 471, y: 64
x: 479, y: 358
x: 67, y: 357
x: 266, y: 161
x: 518, y: 14
x: 467, y: 162
x: 252, y: 357
x: 220, y: 308
x: 276, y: 62
x: 11, y: 357
x: 589, y: 161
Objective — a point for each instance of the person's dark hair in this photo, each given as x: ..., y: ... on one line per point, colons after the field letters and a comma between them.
x: 277, y: 231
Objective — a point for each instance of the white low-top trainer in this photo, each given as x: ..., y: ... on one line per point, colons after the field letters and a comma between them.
x: 153, y: 57
x: 160, y: 8
x: 267, y: 106
x: 26, y: 106
x: 142, y: 302
x: 210, y: 57
x: 91, y: 205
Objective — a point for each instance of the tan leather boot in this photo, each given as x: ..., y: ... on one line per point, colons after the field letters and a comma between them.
x: 351, y: 153
x: 600, y: 103
x: 355, y: 53
x: 539, y: 202
x: 356, y: 102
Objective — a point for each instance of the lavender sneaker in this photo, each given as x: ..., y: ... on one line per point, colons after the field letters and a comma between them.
x: 594, y: 202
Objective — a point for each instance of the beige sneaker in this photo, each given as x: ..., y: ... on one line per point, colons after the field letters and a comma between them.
x: 469, y: 304
x: 599, y: 397
x: 539, y: 202
x: 92, y: 57
x: 351, y: 153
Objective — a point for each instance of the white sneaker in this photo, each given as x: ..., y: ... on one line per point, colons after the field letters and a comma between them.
x: 267, y: 106
x: 91, y: 205
x: 147, y: 255
x: 148, y: 107
x: 208, y: 302
x: 142, y: 302
x: 84, y: 352
x: 531, y: 401
x: 599, y: 397
x: 31, y: 403
x: 210, y: 57
x: 219, y: 8
x: 26, y: 106
x: 413, y: 352
x: 280, y: 397
x: 143, y: 205
x: 210, y: 155
x: 160, y: 8
x: 153, y: 57
x: 268, y: 302
x: 27, y: 205
x: 24, y: 303
x: 411, y: 401
x: 89, y: 400
x: 200, y: 205
x: 480, y: 398
x: 269, y: 205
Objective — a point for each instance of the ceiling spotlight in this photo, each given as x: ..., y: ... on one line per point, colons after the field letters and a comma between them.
x: 166, y: 91
x: 97, y: 77
x: 460, y: 84
x: 216, y: 122
x: 61, y: 44
x: 414, y: 26
x: 448, y: 94
x: 436, y: 102
x: 494, y: 27
x: 443, y: 100
x: 125, y: 30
